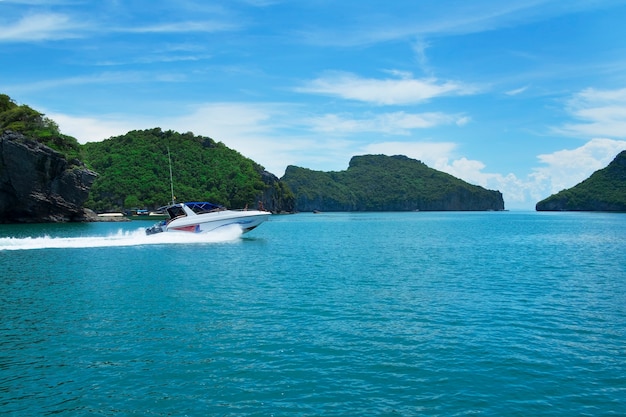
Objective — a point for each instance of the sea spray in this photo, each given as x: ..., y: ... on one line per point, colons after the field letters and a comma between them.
x: 120, y: 238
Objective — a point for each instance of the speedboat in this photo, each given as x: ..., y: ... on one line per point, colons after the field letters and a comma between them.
x: 204, y: 217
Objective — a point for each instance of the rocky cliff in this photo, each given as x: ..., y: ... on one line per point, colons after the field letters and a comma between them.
x: 276, y: 197
x: 37, y: 184
x: 604, y: 190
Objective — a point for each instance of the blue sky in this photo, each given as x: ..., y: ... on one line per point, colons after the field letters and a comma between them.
x: 526, y: 97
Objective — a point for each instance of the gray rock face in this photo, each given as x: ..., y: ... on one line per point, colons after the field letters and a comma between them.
x: 275, y: 197
x: 37, y: 184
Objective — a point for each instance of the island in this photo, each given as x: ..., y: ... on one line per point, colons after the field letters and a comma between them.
x: 604, y: 190
x: 387, y: 183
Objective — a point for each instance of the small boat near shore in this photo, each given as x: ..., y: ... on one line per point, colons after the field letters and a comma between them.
x: 204, y: 217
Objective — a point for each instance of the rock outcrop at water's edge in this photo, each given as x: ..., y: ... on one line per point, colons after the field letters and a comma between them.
x: 37, y: 183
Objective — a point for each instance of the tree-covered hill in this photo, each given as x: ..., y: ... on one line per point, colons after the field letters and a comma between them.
x: 604, y: 190
x: 134, y: 173
x: 386, y: 183
x: 34, y: 125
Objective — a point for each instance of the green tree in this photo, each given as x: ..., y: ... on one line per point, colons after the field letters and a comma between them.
x: 35, y: 125
x: 137, y: 165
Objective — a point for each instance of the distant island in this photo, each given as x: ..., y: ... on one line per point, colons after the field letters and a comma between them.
x: 604, y: 190
x: 387, y: 183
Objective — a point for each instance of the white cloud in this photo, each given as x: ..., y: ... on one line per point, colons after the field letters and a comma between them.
x: 55, y: 26
x: 37, y: 27
x: 228, y: 120
x: 436, y: 19
x: 106, y: 77
x: 516, y: 91
x: 568, y: 167
x: 560, y: 170
x: 181, y: 27
x: 94, y: 129
x: 419, y: 47
x: 390, y: 91
x: 265, y: 133
x: 396, y: 123
x: 462, y: 121
x: 602, y: 113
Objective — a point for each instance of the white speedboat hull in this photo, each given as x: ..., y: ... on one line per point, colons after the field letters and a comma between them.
x: 203, y: 223
x: 184, y: 219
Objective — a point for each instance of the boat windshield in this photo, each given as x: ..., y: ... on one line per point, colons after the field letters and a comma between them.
x: 175, y: 211
x: 204, y: 207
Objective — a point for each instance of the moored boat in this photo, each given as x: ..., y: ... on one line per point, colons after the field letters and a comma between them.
x: 204, y: 217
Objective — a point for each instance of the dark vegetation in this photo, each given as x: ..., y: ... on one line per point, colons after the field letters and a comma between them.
x: 384, y: 183
x: 604, y: 190
x: 34, y: 124
x: 134, y: 171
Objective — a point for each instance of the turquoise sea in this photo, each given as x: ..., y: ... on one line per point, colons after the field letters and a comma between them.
x: 331, y: 314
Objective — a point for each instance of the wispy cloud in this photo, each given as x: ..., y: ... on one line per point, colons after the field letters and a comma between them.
x: 39, y: 27
x: 181, y: 27
x: 432, y: 19
x: 109, y: 78
x: 516, y: 91
x: 558, y: 170
x: 56, y: 26
x: 154, y: 58
x: 396, y: 123
x: 601, y: 113
x: 419, y: 48
x: 35, y: 2
x: 389, y: 91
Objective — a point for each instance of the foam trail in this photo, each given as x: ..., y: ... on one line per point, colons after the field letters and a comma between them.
x: 121, y: 238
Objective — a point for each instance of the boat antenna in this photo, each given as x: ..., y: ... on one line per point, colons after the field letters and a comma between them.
x: 169, y: 158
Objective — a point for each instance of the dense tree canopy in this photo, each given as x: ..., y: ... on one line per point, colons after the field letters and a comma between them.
x: 383, y: 183
x: 134, y: 171
x: 35, y: 125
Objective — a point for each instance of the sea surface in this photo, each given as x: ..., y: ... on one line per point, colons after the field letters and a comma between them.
x: 330, y: 314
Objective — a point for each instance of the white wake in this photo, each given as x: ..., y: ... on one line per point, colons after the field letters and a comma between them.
x: 120, y: 238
